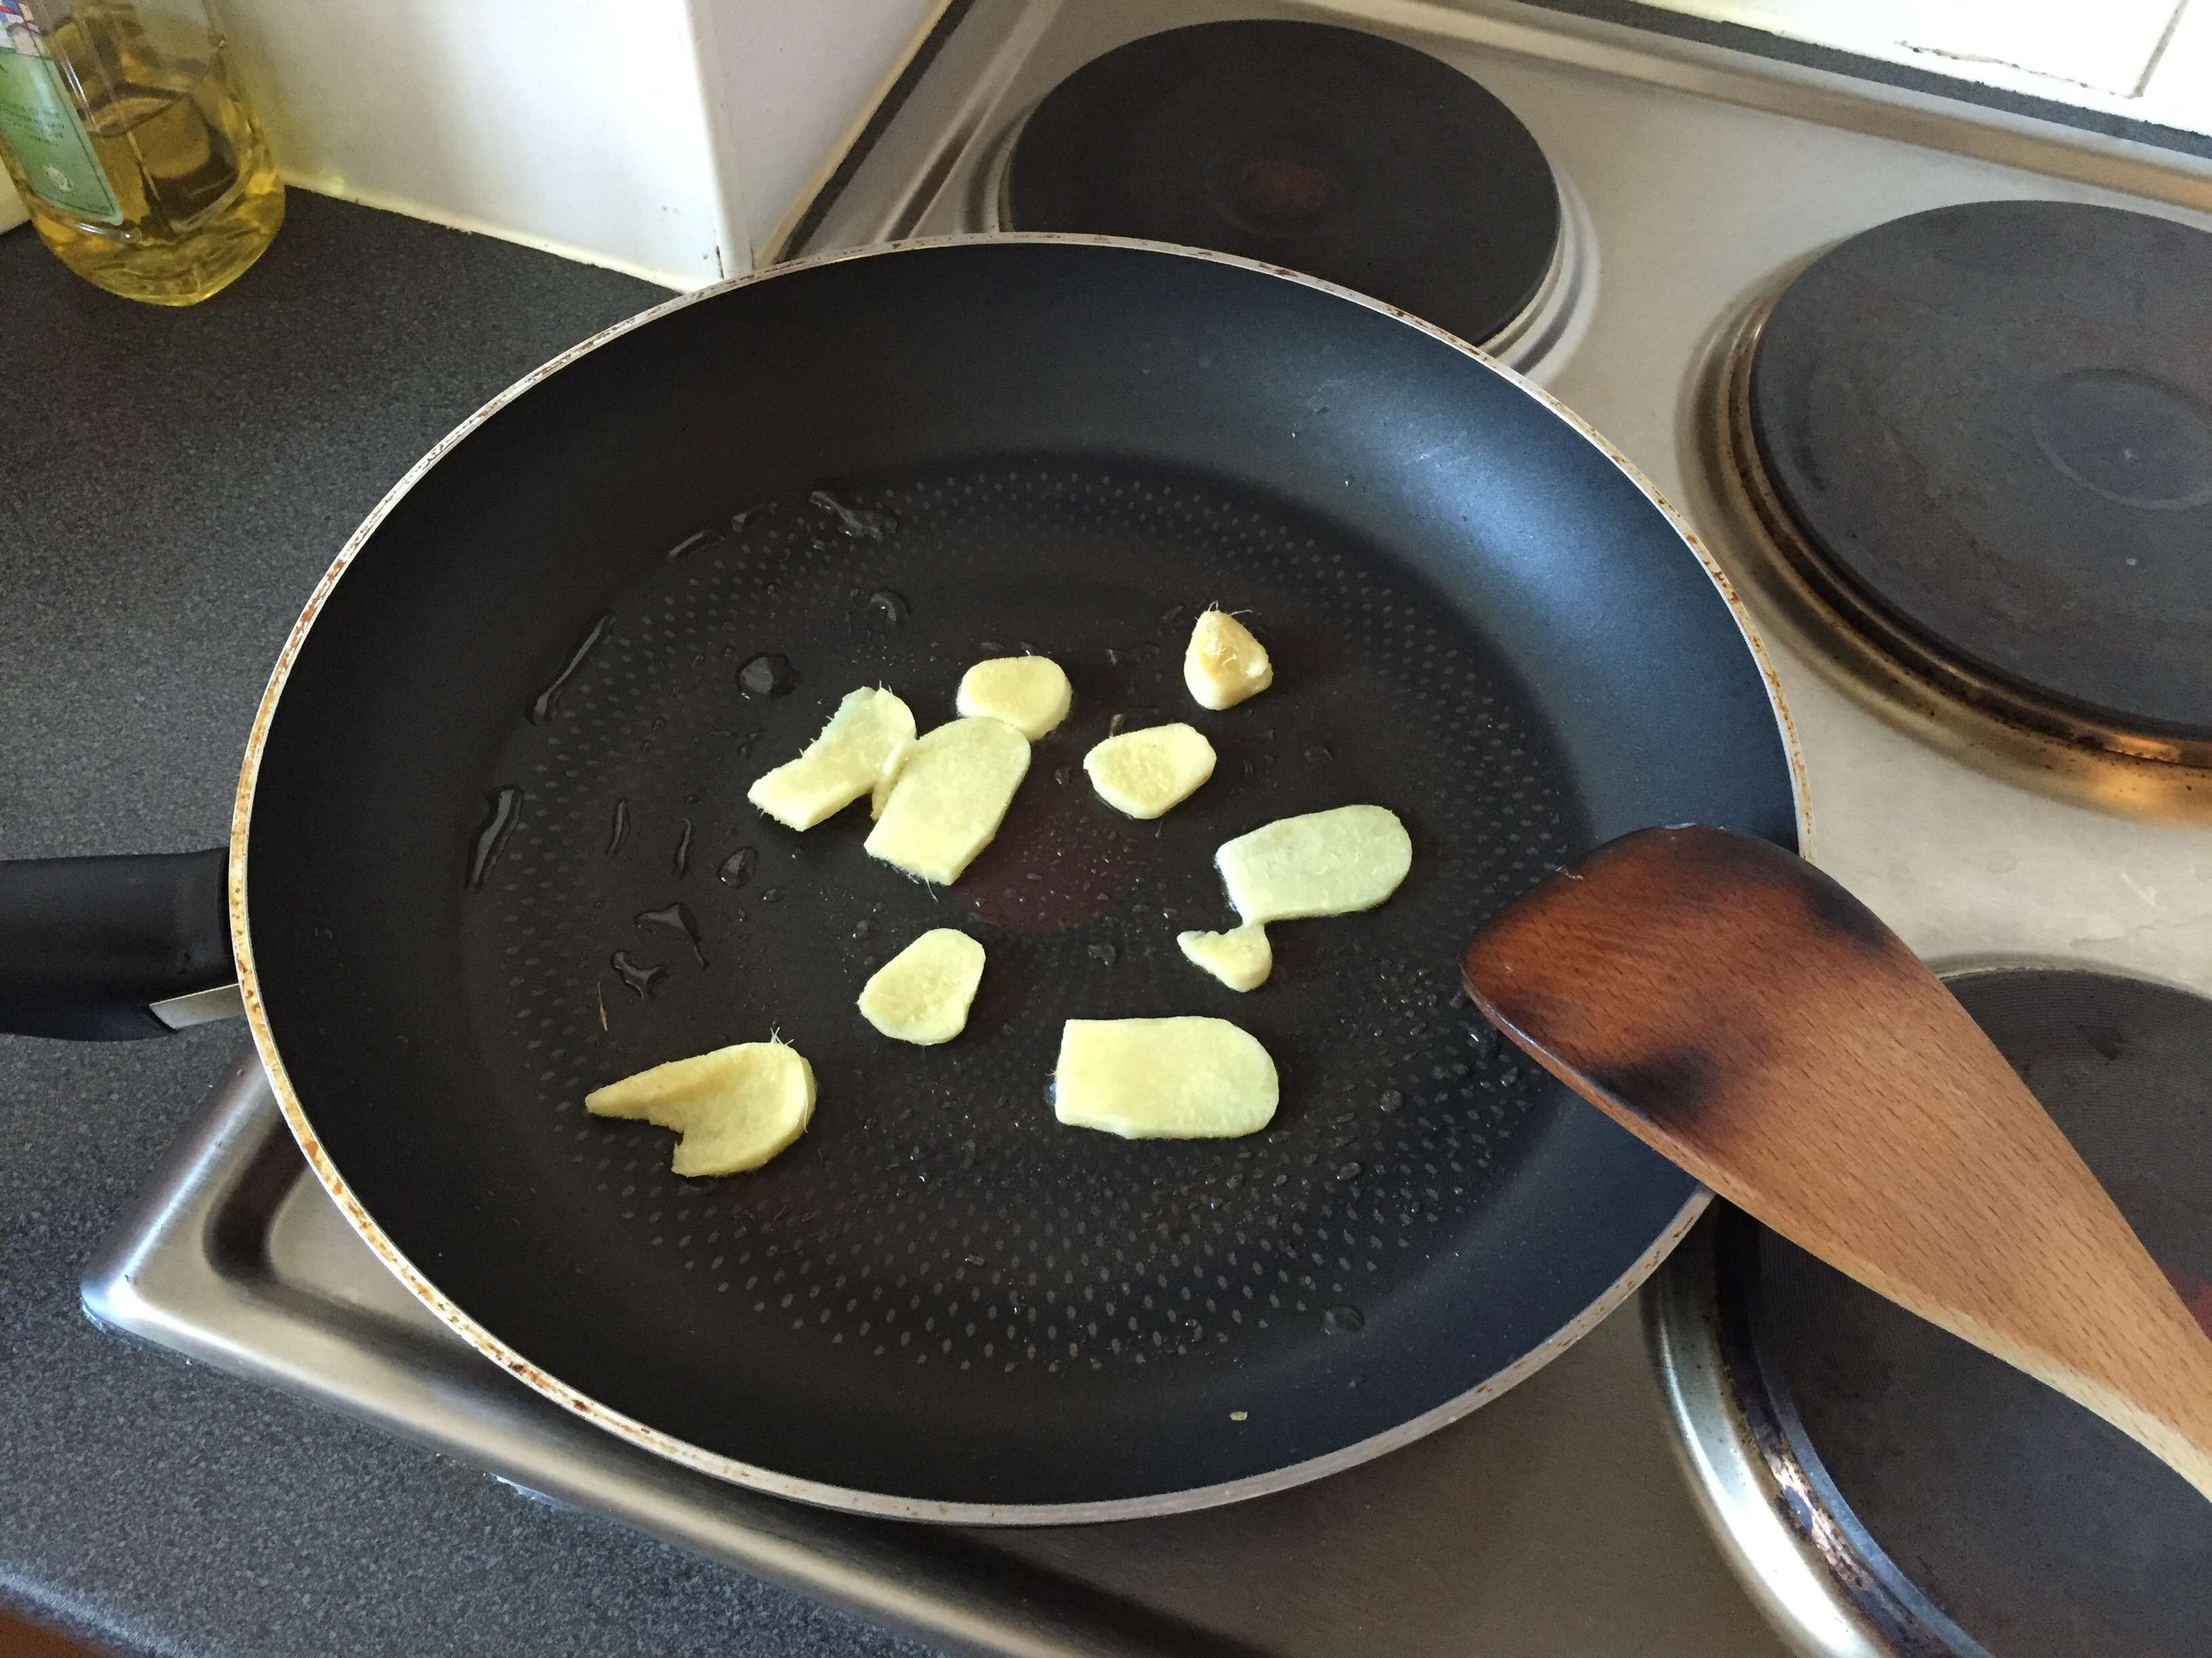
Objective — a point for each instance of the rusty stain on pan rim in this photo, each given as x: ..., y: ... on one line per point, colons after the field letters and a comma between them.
x: 768, y: 1479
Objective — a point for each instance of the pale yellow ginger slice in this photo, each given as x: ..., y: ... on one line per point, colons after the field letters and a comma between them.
x: 880, y: 796
x: 735, y: 1107
x: 840, y: 765
x: 1224, y: 663
x: 1145, y: 772
x: 1163, y: 1079
x: 1030, y: 693
x: 921, y: 994
x: 1239, y: 958
x: 950, y: 797
x: 1325, y: 864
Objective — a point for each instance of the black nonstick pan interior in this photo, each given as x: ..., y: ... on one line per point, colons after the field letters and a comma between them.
x: 562, y: 656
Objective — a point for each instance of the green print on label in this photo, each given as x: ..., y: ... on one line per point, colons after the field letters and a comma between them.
x: 40, y: 125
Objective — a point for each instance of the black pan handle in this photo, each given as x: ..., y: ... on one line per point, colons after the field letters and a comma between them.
x: 91, y: 948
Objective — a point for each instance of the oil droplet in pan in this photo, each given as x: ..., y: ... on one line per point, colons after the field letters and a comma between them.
x: 541, y: 708
x: 890, y: 607
x: 642, y: 980
x: 769, y: 674
x: 620, y: 831
x: 503, y: 811
x: 855, y: 522
x: 678, y: 919
x: 693, y: 542
x: 738, y: 869
x: 1342, y: 1320
x: 682, y: 859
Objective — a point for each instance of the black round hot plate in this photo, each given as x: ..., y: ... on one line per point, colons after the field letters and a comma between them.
x: 1993, y: 423
x: 1340, y: 154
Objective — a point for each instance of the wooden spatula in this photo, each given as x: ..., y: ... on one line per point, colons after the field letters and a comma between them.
x: 1739, y: 1012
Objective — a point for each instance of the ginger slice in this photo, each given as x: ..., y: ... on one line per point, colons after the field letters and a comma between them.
x: 922, y: 995
x: 950, y: 797
x: 1224, y: 664
x: 1163, y: 1079
x: 880, y: 796
x: 1239, y: 958
x: 735, y: 1107
x: 1145, y: 772
x: 1325, y: 864
x: 840, y: 765
x: 1030, y: 693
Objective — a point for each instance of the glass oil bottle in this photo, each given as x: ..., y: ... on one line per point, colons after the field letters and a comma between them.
x: 141, y: 165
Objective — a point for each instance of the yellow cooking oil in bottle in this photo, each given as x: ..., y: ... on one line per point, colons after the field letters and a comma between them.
x: 139, y: 162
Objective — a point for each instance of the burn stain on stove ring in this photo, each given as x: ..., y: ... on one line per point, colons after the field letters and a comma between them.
x: 1875, y: 1588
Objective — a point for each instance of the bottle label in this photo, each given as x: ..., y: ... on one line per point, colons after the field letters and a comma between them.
x: 39, y: 123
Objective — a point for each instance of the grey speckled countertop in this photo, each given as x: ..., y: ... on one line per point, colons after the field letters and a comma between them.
x: 172, y: 484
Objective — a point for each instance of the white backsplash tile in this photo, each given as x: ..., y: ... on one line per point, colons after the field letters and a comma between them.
x: 665, y: 137
x: 788, y: 82
x: 2110, y: 55
x: 561, y: 123
x: 2179, y: 90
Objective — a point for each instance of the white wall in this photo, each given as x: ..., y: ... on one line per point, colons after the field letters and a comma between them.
x: 790, y: 82
x: 671, y: 146
x: 2179, y: 88
x: 2151, y: 59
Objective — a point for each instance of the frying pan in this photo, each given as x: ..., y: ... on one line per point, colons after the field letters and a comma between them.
x: 491, y: 850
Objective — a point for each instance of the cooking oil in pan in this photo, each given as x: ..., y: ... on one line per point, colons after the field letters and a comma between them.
x: 542, y: 705
x: 503, y: 811
x: 769, y: 674
x: 675, y: 918
x: 642, y: 979
x: 889, y: 607
x: 138, y: 161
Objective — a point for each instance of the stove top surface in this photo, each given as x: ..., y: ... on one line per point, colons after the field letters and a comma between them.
x: 1692, y: 183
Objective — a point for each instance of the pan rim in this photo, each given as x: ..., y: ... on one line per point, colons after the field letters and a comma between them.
x: 819, y: 1493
